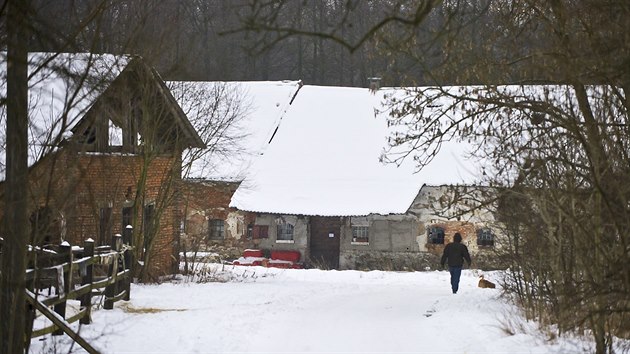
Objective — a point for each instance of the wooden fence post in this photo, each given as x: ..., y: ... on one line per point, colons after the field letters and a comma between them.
x: 112, y: 290
x: 127, y: 234
x: 31, y: 284
x: 65, y: 252
x: 86, y: 300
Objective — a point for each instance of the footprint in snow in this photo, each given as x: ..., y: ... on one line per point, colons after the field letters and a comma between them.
x: 431, y: 310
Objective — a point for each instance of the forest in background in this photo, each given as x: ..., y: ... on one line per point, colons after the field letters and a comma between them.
x: 240, y: 40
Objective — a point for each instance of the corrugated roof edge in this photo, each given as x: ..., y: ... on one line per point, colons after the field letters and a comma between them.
x: 321, y: 215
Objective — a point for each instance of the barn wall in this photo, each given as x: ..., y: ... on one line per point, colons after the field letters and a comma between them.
x: 300, y: 234
x: 400, y: 242
x: 432, y: 199
x: 76, y: 186
x: 206, y: 200
x: 393, y: 243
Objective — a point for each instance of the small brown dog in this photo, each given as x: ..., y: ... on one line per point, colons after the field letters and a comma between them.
x: 485, y: 283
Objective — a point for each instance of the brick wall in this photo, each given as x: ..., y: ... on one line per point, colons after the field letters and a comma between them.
x: 208, y: 197
x: 203, y: 201
x: 76, y: 186
x: 466, y: 229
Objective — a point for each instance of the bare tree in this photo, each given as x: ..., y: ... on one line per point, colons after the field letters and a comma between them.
x: 559, y: 152
x: 216, y: 110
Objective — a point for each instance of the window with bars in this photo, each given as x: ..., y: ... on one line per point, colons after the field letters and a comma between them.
x: 435, y: 235
x: 360, y: 234
x: 485, y: 237
x: 216, y: 228
x: 285, y: 232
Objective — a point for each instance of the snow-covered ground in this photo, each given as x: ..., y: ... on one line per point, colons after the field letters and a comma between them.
x: 264, y: 310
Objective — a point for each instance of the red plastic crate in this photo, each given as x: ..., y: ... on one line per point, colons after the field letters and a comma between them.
x: 252, y: 253
x: 292, y: 256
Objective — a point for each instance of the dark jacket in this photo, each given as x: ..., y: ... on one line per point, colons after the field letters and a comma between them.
x: 456, y: 253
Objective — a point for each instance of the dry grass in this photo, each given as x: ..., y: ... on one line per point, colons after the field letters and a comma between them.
x: 130, y: 309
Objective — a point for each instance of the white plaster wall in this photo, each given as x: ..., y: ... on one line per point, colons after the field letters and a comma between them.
x: 300, y: 233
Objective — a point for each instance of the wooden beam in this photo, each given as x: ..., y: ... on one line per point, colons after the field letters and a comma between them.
x: 47, y: 330
x: 60, y: 323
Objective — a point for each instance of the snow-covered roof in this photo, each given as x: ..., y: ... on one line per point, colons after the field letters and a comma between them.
x: 325, y: 160
x: 236, y: 120
x: 62, y: 88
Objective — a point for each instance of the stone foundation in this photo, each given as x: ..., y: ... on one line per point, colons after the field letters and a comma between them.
x: 389, y: 261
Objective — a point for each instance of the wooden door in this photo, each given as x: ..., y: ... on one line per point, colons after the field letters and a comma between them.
x: 325, y: 241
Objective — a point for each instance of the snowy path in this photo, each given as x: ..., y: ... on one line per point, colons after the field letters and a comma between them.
x: 295, y: 311
x: 359, y: 319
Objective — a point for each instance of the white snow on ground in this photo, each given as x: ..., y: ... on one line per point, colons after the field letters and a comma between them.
x: 262, y: 310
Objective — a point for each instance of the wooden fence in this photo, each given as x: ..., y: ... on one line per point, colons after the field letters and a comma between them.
x: 76, y: 273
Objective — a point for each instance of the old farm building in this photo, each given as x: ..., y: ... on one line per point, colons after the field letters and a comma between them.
x: 105, y: 144
x: 321, y: 189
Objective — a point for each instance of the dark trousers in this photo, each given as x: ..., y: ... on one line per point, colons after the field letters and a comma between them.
x: 456, y: 272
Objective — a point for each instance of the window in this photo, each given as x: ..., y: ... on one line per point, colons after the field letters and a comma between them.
x: 127, y: 220
x: 260, y: 231
x: 95, y: 135
x: 127, y: 217
x: 250, y: 231
x: 216, y: 229
x: 115, y: 135
x: 285, y: 232
x: 485, y: 237
x: 435, y: 235
x: 148, y: 223
x: 360, y: 234
x: 104, y: 226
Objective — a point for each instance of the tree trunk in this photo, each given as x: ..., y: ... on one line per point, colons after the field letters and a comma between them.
x: 13, y: 263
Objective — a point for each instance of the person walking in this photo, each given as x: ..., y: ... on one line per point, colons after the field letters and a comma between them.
x: 455, y: 252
